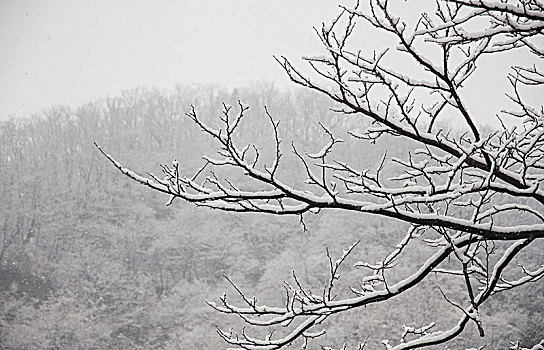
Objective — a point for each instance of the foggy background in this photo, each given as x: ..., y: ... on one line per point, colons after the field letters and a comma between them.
x: 91, y: 260
x: 69, y: 52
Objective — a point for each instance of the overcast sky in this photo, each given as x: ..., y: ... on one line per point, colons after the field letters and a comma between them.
x: 69, y: 52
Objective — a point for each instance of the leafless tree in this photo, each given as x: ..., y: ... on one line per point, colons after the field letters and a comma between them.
x: 458, y: 190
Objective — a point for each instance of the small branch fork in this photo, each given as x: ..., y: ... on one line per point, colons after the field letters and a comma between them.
x: 459, y: 190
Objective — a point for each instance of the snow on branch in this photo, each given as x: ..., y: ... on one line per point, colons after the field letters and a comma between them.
x: 465, y: 191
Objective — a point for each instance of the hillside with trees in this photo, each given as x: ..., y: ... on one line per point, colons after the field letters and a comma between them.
x: 89, y: 260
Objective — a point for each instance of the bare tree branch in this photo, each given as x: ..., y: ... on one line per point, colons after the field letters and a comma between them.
x: 460, y: 188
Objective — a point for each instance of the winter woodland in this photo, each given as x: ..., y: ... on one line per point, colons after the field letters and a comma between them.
x: 391, y: 201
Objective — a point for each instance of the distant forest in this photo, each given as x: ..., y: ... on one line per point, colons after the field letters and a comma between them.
x: 91, y: 260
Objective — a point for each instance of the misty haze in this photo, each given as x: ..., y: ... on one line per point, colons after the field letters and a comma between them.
x: 320, y: 175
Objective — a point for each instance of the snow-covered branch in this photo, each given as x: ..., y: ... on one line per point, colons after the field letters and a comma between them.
x: 464, y: 188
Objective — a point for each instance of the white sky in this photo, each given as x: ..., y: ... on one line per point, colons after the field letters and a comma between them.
x: 69, y: 52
